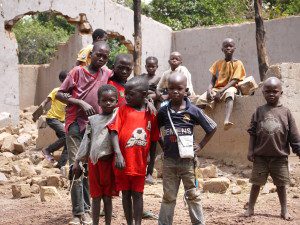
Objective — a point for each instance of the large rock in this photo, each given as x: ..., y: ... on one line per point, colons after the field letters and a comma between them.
x: 21, y: 190
x: 8, y: 143
x: 46, y: 135
x: 3, y: 135
x: 24, y: 168
x: 208, y: 172
x: 48, y: 193
x: 22, y: 141
x: 216, y: 185
x: 55, y: 181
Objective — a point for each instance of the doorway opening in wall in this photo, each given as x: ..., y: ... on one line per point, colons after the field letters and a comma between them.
x: 39, y: 35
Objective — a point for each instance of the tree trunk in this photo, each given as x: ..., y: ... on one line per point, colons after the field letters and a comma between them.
x: 137, y: 54
x: 260, y: 40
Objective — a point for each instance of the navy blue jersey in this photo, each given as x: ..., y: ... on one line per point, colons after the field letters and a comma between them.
x: 184, y: 122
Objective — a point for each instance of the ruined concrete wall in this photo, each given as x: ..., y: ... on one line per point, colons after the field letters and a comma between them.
x: 100, y: 14
x: 200, y: 47
x: 28, y: 76
x: 64, y: 59
x: 232, y: 146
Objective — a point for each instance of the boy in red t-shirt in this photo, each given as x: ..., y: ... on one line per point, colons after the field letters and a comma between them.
x: 121, y: 71
x: 134, y: 133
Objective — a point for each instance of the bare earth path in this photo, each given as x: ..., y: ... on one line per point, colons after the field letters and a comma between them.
x: 219, y: 208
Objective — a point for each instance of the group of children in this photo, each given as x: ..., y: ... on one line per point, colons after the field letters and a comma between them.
x: 111, y: 124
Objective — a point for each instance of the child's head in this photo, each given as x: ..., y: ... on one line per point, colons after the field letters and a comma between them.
x: 175, y: 60
x: 177, y: 87
x: 272, y: 90
x: 62, y: 75
x: 136, y: 90
x: 151, y: 65
x: 123, y: 67
x: 228, y: 47
x: 99, y: 35
x: 100, y: 54
x: 107, y: 98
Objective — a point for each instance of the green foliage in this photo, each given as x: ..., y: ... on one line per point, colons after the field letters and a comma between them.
x: 180, y: 14
x: 38, y: 37
x: 279, y: 8
x: 115, y: 48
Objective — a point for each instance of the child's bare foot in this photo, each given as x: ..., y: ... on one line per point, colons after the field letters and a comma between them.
x: 249, y: 212
x: 149, y: 179
x: 227, y: 125
x: 286, y: 216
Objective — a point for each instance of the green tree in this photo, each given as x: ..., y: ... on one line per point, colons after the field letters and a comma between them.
x: 180, y: 14
x: 38, y: 37
x: 115, y: 48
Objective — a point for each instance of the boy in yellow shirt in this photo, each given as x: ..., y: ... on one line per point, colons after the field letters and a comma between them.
x: 226, y: 73
x: 55, y: 119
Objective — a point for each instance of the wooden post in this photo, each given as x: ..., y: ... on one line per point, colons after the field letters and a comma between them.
x: 137, y: 54
x: 260, y: 40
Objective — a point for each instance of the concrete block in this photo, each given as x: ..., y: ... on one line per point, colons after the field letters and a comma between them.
x: 46, y: 136
x: 235, y: 190
x: 21, y: 190
x: 48, y: 193
x: 208, y: 172
x: 5, y: 119
x: 8, y: 143
x: 216, y: 185
x: 55, y: 181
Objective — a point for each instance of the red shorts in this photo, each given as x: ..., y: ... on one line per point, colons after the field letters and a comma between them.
x: 102, y: 179
x: 132, y: 183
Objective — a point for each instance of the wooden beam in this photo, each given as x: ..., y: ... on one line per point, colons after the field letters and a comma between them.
x: 137, y: 54
x: 260, y: 40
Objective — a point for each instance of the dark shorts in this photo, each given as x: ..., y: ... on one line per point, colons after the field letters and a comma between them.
x: 277, y: 167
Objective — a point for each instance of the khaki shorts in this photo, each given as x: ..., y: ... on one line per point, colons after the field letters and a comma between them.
x: 277, y: 167
x: 202, y: 99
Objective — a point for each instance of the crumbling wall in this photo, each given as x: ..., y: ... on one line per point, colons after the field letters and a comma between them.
x: 99, y: 14
x: 232, y: 146
x: 200, y: 47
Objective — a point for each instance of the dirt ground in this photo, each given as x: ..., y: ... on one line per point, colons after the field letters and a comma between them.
x: 218, y: 208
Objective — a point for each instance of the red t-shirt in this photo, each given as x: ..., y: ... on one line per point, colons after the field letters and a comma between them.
x: 83, y: 85
x: 121, y: 92
x: 136, y: 131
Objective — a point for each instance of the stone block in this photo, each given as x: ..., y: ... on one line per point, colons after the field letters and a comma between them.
x: 242, y: 182
x: 48, y: 193
x: 55, y: 181
x: 22, y: 141
x: 216, y: 185
x: 8, y: 143
x: 35, y: 188
x: 21, y: 190
x: 208, y: 172
x: 46, y: 135
x: 235, y: 190
x: 5, y: 119
x: 3, y: 135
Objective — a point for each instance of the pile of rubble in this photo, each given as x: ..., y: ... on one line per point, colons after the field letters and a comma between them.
x: 22, y: 165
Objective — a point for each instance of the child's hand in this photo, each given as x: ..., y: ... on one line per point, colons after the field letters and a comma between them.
x: 218, y: 96
x: 87, y: 108
x: 250, y: 157
x: 197, y: 148
x: 76, y: 170
x: 120, y: 163
x: 209, y: 95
